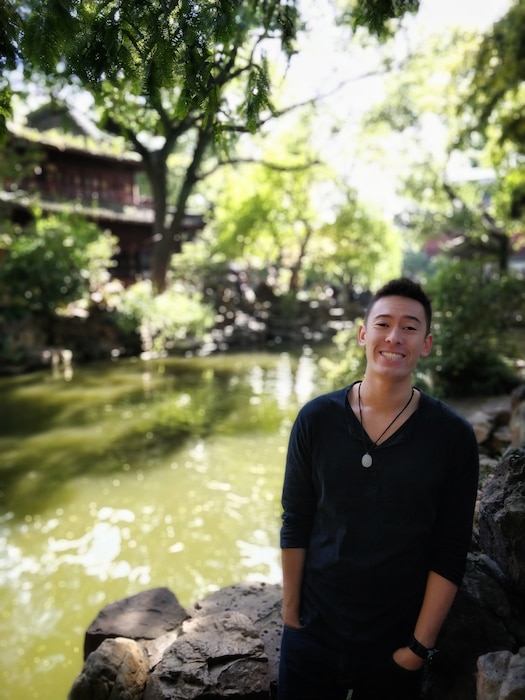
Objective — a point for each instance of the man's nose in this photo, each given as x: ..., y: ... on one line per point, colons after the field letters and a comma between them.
x: 393, y: 335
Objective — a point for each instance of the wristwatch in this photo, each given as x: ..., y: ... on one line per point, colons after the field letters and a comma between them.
x: 420, y: 650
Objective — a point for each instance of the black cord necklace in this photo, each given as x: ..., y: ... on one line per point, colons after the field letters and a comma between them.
x: 366, y: 459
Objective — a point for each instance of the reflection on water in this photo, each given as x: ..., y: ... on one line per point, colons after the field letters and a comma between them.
x: 123, y: 477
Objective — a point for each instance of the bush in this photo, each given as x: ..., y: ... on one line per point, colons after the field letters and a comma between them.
x: 167, y: 321
x: 473, y: 310
x: 349, y: 361
x: 52, y: 262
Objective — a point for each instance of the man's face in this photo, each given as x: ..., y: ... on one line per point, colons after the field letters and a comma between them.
x: 395, y: 336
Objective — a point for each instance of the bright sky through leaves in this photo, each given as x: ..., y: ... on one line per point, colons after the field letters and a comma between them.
x: 327, y: 58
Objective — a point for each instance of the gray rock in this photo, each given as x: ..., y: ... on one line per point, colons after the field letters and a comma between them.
x: 261, y: 603
x: 513, y: 686
x: 155, y: 648
x: 117, y: 669
x: 517, y: 416
x: 485, y: 617
x: 492, y: 670
x: 482, y: 424
x: 501, y: 676
x: 146, y: 615
x: 226, y: 645
x: 502, y: 517
x: 216, y: 656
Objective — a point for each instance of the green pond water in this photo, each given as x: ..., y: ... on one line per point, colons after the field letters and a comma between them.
x: 124, y: 476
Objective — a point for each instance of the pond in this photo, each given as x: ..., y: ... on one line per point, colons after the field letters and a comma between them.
x: 119, y: 477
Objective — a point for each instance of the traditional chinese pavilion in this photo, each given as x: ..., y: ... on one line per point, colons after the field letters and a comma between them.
x: 75, y: 164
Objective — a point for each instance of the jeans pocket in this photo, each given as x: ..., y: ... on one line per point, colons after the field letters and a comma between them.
x: 289, y: 628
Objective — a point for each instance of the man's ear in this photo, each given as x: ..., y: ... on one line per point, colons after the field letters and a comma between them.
x: 427, y: 345
x: 361, y: 336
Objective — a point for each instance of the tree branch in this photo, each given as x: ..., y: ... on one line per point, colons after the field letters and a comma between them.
x: 497, y: 234
x: 267, y: 164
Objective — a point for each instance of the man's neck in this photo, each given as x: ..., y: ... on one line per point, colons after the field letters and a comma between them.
x: 377, y: 392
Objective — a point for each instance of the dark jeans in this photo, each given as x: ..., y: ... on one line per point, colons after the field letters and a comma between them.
x: 309, y: 670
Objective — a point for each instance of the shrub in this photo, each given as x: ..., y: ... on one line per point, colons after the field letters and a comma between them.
x: 52, y: 262
x: 348, y: 362
x: 167, y: 321
x: 473, y: 310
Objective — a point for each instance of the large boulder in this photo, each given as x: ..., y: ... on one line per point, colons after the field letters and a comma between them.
x: 261, y: 603
x: 215, y: 656
x: 501, y: 518
x: 146, y: 615
x: 117, y: 669
x: 486, y: 616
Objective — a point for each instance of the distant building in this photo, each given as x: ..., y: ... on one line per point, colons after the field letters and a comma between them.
x: 79, y: 166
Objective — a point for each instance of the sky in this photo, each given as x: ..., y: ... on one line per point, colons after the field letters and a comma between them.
x: 323, y: 55
x: 475, y: 14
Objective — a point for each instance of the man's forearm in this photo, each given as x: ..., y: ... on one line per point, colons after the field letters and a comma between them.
x: 293, y: 567
x: 439, y: 596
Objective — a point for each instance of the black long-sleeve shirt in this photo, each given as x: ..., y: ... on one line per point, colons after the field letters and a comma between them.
x: 373, y: 534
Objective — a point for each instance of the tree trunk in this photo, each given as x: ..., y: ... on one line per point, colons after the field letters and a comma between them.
x: 155, y: 164
x: 168, y: 236
x: 294, y: 277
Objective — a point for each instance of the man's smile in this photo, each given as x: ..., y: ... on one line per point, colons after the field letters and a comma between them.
x: 392, y: 355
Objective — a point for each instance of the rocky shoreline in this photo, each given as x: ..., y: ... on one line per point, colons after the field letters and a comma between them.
x: 148, y: 647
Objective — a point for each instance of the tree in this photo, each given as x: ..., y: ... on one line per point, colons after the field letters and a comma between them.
x: 278, y: 219
x: 428, y: 103
x: 359, y: 249
x: 9, y: 36
x: 171, y: 77
x: 378, y: 16
x: 264, y: 212
x: 175, y: 77
x: 497, y: 90
x: 494, y: 107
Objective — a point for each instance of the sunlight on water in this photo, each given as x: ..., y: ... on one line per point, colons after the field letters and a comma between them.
x: 196, y: 517
x: 204, y: 520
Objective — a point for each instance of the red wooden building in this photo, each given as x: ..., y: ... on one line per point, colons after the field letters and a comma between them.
x: 100, y: 182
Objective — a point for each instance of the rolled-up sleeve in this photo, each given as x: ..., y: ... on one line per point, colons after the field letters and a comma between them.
x: 298, y: 496
x: 453, y: 530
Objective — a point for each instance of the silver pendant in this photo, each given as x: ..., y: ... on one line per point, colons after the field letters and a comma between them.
x: 366, y: 460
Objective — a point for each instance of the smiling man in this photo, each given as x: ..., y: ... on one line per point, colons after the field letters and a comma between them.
x: 378, y: 501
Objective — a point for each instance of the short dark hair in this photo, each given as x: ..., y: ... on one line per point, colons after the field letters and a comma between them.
x: 403, y: 287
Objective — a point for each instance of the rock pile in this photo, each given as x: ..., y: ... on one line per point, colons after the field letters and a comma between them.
x: 225, y: 646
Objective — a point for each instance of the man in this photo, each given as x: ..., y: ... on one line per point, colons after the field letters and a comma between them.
x: 378, y: 498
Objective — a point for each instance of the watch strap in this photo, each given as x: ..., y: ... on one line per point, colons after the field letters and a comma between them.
x: 420, y: 650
